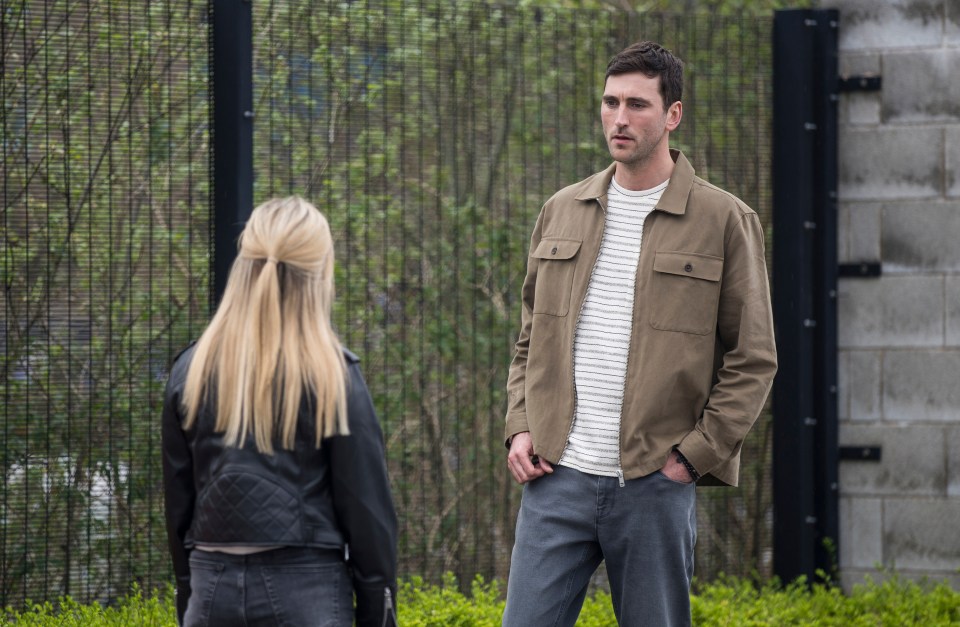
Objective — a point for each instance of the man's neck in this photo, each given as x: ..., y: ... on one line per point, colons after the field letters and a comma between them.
x: 645, y: 175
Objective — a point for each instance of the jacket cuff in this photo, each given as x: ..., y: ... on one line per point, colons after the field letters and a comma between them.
x: 698, y: 452
x: 376, y: 605
x: 182, y: 597
x: 516, y: 423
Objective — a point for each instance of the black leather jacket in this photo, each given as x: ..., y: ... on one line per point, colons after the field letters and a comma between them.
x: 336, y: 496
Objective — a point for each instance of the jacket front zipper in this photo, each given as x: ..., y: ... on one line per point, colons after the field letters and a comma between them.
x: 636, y: 278
x: 573, y: 345
x: 576, y: 330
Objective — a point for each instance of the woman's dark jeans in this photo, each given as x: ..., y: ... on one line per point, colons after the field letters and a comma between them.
x: 288, y: 586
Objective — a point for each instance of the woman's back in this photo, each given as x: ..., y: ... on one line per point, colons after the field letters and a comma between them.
x: 272, y: 450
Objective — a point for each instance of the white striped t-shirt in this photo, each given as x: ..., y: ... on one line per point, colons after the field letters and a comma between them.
x: 602, y: 340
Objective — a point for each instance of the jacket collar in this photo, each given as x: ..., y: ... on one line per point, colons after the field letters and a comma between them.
x: 674, y: 198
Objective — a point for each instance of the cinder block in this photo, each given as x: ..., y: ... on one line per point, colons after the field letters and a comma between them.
x: 890, y: 163
x: 863, y: 376
x: 952, y: 297
x: 953, y: 461
x: 863, y: 231
x: 951, y: 26
x: 921, y: 534
x: 860, y: 108
x: 843, y: 232
x: 861, y: 532
x: 851, y: 577
x: 921, y: 236
x: 912, y: 461
x: 858, y: 64
x: 866, y: 24
x: 843, y: 384
x: 921, y: 385
x: 952, y: 151
x: 921, y: 86
x: 892, y: 311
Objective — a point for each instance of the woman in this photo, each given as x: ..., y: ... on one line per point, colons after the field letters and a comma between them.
x: 277, y: 499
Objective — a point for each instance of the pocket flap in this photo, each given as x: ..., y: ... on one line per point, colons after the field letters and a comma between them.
x: 706, y: 267
x: 556, y: 248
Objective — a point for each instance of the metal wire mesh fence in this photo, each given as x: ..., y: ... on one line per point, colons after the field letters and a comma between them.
x: 429, y: 133
x: 105, y: 246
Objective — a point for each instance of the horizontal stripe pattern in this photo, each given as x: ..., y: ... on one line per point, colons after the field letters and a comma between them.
x: 602, y: 341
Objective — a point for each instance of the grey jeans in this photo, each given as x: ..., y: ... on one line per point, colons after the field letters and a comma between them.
x: 288, y: 586
x: 570, y: 521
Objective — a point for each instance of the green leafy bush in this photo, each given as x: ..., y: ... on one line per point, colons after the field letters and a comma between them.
x: 891, y: 603
x: 135, y: 609
x: 894, y: 602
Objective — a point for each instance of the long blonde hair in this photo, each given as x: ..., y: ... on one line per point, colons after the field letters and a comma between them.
x: 271, y: 340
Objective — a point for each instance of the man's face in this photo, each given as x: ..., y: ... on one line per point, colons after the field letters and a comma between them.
x: 635, y: 123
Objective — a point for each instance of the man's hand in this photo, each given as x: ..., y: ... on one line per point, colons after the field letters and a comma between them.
x: 520, y: 459
x: 675, y: 470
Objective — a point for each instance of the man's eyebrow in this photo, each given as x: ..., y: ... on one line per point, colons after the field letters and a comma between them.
x: 630, y: 99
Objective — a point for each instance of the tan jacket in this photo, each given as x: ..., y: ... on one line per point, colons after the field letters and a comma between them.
x: 702, y: 354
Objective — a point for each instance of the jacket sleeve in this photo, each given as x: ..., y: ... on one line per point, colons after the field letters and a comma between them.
x: 364, y: 506
x: 178, y: 489
x: 516, y: 420
x: 749, y: 354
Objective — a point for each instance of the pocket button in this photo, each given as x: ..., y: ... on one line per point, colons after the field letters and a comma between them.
x: 554, y: 251
x: 688, y: 268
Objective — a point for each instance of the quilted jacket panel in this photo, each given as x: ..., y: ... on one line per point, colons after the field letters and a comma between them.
x: 243, y: 507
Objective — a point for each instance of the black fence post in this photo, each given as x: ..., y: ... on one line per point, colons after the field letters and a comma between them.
x: 805, y: 450
x: 826, y: 479
x: 231, y: 75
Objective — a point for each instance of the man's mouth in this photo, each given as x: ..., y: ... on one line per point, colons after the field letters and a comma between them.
x: 621, y: 138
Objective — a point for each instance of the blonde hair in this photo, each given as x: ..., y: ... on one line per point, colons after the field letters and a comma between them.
x: 271, y: 340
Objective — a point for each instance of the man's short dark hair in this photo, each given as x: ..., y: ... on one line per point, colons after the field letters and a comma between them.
x: 652, y: 60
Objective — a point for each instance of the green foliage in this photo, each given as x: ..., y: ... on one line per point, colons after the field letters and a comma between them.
x: 424, y: 605
x: 894, y: 602
x: 155, y: 610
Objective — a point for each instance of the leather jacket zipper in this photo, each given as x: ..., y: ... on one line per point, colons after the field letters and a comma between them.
x: 388, y: 610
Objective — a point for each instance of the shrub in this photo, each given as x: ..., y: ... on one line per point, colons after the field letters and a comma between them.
x: 137, y: 608
x: 893, y: 602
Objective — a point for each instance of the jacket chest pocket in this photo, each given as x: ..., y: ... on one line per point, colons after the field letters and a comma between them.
x: 685, y: 292
x: 557, y: 262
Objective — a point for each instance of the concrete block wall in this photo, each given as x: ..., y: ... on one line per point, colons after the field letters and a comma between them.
x: 899, y: 336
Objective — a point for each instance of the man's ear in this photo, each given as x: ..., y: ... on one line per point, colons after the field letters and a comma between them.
x: 674, y: 114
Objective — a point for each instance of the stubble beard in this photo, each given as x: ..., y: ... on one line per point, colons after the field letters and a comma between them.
x: 636, y: 159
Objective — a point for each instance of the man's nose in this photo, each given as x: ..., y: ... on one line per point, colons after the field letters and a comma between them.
x: 621, y: 117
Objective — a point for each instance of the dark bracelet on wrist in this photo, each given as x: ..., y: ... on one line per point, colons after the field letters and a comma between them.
x: 686, y: 464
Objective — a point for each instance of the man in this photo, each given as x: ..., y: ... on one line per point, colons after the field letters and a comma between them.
x: 645, y: 354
